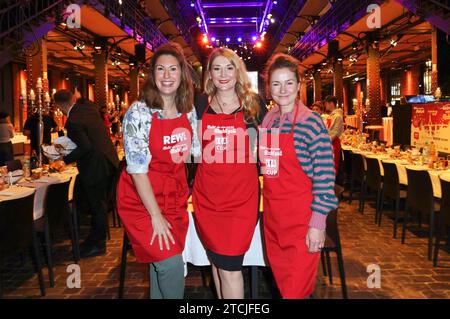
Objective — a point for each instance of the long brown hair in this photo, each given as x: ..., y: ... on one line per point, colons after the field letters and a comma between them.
x: 250, y: 100
x: 184, y: 98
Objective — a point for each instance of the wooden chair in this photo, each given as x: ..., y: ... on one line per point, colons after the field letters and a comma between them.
x: 444, y: 220
x: 17, y: 233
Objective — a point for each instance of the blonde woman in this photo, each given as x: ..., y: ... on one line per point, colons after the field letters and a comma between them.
x: 225, y: 192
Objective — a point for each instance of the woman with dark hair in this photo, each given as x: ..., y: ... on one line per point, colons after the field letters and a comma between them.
x: 6, y: 134
x: 297, y: 164
x: 226, y: 188
x: 160, y: 132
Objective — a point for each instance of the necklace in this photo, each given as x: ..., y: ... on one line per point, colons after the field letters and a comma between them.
x: 220, y: 103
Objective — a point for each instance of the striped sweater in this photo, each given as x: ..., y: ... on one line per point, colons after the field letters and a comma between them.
x: 315, y: 154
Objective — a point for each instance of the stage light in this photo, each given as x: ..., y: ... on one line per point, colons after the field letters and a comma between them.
x: 254, y: 38
x: 239, y: 39
x: 213, y: 39
x: 227, y: 39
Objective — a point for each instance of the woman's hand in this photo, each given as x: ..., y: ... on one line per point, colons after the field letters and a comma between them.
x: 315, y: 240
x: 161, y: 229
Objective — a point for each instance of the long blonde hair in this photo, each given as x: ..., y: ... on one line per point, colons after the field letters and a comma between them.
x: 249, y: 99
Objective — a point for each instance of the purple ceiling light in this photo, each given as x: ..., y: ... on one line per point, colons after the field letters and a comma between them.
x: 233, y: 4
x: 202, y: 16
x: 268, y: 8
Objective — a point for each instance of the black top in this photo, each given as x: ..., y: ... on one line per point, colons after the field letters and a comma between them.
x: 31, y: 124
x: 201, y: 102
x: 95, y: 154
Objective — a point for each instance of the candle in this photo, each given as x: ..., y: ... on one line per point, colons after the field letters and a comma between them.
x: 39, y: 83
x: 53, y: 91
x: 32, y: 96
x: 47, y: 97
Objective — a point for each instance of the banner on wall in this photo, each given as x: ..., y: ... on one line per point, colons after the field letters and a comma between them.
x: 430, y: 122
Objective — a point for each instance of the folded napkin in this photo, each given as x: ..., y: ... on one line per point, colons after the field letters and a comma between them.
x: 17, y: 172
x: 6, y: 193
x: 62, y: 146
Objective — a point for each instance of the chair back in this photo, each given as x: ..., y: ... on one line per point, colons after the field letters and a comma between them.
x: 13, y: 165
x: 346, y: 157
x: 358, y: 170
x: 420, y: 191
x: 373, y: 175
x: 56, y: 204
x: 445, y: 201
x: 391, y: 181
x: 16, y: 225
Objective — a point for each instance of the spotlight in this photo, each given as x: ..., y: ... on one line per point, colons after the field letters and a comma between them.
x: 355, y: 46
x: 258, y: 45
x: 393, y: 42
x: 239, y: 39
x: 227, y: 39
x: 272, y: 20
x: 192, y: 4
x: 213, y: 39
x: 254, y: 38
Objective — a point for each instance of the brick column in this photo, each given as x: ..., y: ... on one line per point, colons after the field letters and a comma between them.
x: 434, y: 61
x: 303, y: 91
x: 317, y: 84
x: 36, y: 61
x: 101, y: 79
x: 373, y: 85
x: 338, y: 81
x: 134, y: 85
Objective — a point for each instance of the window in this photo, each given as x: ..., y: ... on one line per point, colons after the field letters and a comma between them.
x: 395, y: 91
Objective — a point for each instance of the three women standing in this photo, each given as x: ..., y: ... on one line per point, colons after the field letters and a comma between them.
x: 226, y: 187
x: 160, y: 132
x: 297, y: 164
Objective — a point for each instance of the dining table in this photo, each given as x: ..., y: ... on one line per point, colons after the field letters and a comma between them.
x: 402, y: 165
x: 26, y: 186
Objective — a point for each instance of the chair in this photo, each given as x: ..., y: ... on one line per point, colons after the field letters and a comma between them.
x: 333, y: 244
x: 358, y: 176
x: 420, y: 198
x: 17, y: 233
x: 347, y: 166
x: 374, y: 181
x: 13, y: 165
x: 112, y: 197
x: 56, y: 212
x: 444, y: 219
x: 392, y: 190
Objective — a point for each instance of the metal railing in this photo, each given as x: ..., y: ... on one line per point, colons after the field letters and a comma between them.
x: 15, y: 15
x: 336, y: 20
x: 129, y: 14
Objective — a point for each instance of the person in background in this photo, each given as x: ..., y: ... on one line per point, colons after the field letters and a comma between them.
x: 6, y: 134
x: 30, y: 129
x: 297, y: 165
x: 96, y: 160
x: 105, y: 117
x: 317, y: 107
x: 336, y: 127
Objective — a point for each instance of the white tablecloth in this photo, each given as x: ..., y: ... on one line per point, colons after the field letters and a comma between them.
x: 401, y: 169
x: 194, y: 252
x: 25, y: 188
x: 388, y: 124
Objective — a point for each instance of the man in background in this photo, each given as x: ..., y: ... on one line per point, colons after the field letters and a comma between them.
x: 335, y: 128
x: 96, y: 160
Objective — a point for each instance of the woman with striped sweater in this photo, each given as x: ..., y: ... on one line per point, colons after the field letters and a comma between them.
x: 298, y: 189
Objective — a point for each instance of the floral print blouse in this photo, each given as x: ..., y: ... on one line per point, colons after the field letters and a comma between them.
x: 136, y: 128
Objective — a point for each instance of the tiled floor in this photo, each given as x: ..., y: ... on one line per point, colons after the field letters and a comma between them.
x: 405, y: 270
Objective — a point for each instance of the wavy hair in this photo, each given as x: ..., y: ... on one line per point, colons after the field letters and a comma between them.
x: 250, y: 100
x: 184, y: 98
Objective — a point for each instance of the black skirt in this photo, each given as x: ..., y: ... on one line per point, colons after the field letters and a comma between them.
x: 229, y: 263
x: 6, y: 153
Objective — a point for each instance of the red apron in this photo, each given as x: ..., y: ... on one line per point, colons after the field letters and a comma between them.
x: 287, y: 196
x: 225, y: 192
x: 170, y: 143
